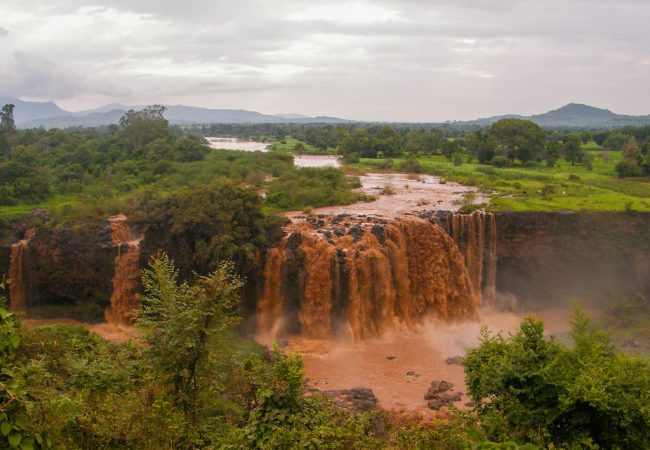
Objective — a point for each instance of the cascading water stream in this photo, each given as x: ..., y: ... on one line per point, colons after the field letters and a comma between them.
x: 476, y: 236
x: 17, y: 288
x: 364, y: 276
x: 127, y: 272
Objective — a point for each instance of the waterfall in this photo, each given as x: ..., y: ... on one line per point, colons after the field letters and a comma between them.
x: 127, y: 271
x: 476, y: 236
x: 366, y: 276
x: 17, y: 287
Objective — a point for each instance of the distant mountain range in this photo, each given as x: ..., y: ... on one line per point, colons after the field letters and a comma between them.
x: 50, y: 115
x: 573, y: 115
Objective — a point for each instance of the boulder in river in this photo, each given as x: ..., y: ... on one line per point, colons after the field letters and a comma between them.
x: 437, y: 387
x: 357, y: 399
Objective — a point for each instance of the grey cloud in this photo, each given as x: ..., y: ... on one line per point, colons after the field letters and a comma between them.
x: 437, y: 60
x: 33, y: 76
x: 3, y: 32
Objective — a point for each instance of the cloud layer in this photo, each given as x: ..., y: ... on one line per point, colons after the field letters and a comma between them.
x: 411, y: 60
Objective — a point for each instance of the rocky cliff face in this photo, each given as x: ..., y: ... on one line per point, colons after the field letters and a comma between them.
x: 552, y: 258
x: 67, y: 271
x: 542, y: 259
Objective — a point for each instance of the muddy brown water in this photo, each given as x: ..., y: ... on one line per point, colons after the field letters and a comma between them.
x: 399, y: 194
x: 400, y: 366
x: 244, y: 145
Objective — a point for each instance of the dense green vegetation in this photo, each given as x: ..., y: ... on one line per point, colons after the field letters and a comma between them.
x: 535, y: 186
x: 520, y: 166
x: 537, y: 390
x: 191, y: 382
x: 143, y: 167
x: 289, y: 144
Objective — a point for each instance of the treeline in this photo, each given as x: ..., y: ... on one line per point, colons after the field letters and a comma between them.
x: 503, y: 143
x: 39, y: 163
x: 143, y: 152
x: 202, y: 205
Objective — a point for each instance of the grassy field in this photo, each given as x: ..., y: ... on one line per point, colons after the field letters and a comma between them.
x: 288, y: 145
x: 536, y: 187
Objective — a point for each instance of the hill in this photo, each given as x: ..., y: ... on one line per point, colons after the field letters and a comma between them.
x: 50, y: 115
x: 573, y: 115
x: 25, y: 111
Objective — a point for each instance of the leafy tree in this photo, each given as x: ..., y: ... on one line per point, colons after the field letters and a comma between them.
x: 518, y: 139
x: 645, y: 147
x: 432, y: 141
x: 627, y: 168
x: 139, y: 128
x: 481, y: 145
x: 20, y: 182
x: 646, y: 164
x: 388, y: 142
x: 413, y: 142
x: 573, y: 149
x: 205, y: 225
x: 532, y: 389
x: 299, y: 147
x: 14, y: 422
x: 630, y: 149
x: 7, y: 131
x: 552, y: 153
x: 310, y: 186
x: 360, y: 142
x: 615, y: 141
x: 183, y: 324
x: 452, y: 147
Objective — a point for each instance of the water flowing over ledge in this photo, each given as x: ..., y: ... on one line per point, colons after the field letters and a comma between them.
x: 127, y: 272
x: 359, y: 276
x: 17, y: 287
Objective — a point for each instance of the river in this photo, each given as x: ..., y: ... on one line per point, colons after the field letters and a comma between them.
x: 244, y: 145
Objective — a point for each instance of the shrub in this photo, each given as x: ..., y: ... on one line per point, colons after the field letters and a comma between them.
x: 351, y: 158
x: 499, y: 161
x: 627, y: 168
x: 533, y: 389
x: 488, y: 170
x: 412, y: 165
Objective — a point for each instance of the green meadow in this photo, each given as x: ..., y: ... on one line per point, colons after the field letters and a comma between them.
x: 536, y: 187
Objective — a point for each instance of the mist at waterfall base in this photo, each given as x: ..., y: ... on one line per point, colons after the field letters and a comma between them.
x: 382, y: 304
x: 400, y: 365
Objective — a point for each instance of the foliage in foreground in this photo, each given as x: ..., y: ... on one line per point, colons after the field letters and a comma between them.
x: 532, y: 389
x: 193, y: 383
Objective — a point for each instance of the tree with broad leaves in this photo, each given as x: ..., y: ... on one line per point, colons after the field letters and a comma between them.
x: 518, y: 139
x: 8, y: 132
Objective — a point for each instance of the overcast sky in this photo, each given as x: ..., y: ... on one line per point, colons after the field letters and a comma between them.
x: 412, y: 60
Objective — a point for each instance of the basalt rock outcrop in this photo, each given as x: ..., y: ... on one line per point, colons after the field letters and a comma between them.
x: 358, y: 399
x: 66, y: 271
x: 63, y: 271
x: 439, y: 395
x: 358, y: 275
